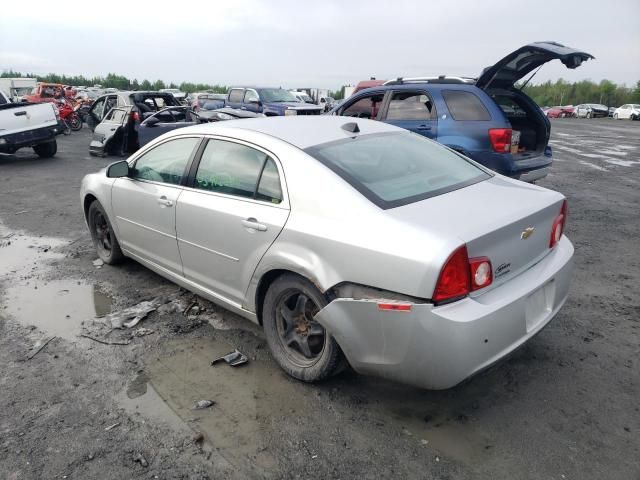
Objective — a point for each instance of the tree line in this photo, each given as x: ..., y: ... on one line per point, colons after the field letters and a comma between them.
x: 548, y: 93
x: 562, y: 92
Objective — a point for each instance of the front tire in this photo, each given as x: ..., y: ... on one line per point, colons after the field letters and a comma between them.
x: 46, y: 150
x: 298, y: 343
x: 615, y: 116
x: 103, y: 236
x: 75, y: 122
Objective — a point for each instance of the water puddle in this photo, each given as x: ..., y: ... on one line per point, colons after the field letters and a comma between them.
x: 57, y: 307
x: 252, y: 401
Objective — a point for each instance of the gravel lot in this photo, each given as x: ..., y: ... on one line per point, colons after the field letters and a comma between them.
x: 566, y: 406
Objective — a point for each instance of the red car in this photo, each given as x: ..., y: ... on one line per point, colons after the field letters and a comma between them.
x: 560, y: 112
x: 46, y: 92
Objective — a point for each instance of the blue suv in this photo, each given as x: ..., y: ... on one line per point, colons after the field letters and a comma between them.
x: 487, y: 119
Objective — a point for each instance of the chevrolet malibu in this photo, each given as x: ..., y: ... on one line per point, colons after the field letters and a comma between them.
x: 348, y: 241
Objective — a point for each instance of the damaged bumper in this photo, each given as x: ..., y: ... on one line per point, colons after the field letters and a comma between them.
x: 437, y: 347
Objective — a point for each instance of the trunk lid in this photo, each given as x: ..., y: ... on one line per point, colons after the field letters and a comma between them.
x: 505, y: 220
x: 525, y: 59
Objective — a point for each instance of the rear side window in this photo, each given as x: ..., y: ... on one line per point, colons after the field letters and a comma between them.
x: 236, y: 95
x: 410, y: 106
x: 465, y: 106
x: 236, y: 169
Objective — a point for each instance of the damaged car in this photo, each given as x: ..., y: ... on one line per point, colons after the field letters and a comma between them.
x: 115, y: 119
x: 348, y: 240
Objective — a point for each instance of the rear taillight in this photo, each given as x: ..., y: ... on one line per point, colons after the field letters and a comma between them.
x: 500, y: 139
x: 558, y: 225
x: 481, y: 272
x: 454, y: 281
x: 462, y: 275
x: 135, y: 116
x: 56, y: 111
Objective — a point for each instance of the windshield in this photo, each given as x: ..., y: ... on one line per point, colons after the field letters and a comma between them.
x: 276, y: 95
x: 395, y: 169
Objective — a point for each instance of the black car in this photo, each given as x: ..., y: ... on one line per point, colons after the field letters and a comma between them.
x: 590, y: 110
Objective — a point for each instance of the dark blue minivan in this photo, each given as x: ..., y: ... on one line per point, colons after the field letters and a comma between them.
x: 487, y: 119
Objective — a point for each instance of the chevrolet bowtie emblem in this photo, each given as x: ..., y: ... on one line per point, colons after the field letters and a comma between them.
x: 526, y: 233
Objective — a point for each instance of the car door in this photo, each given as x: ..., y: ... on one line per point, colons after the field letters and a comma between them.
x: 367, y: 105
x: 162, y: 122
x: 413, y: 110
x: 251, y: 101
x: 110, y: 135
x: 232, y: 213
x: 144, y: 202
x: 96, y: 112
x: 624, y: 111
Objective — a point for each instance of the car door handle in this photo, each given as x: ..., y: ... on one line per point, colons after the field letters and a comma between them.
x: 20, y: 114
x: 424, y: 127
x: 165, y: 202
x: 253, y: 224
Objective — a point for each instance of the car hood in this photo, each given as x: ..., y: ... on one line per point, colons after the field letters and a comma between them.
x: 520, y: 62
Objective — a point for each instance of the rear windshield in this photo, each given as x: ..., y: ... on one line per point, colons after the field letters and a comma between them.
x: 395, y: 169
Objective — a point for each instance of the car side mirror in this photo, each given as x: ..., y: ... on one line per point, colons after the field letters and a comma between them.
x: 118, y: 169
x: 255, y: 101
x: 152, y: 121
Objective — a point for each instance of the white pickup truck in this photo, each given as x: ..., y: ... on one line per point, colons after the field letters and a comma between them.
x: 28, y: 125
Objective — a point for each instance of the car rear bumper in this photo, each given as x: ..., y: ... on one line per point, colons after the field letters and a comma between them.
x: 437, y: 347
x: 28, y: 138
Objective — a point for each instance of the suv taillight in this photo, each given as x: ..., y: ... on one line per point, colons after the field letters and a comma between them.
x: 56, y: 111
x: 558, y: 225
x: 500, y: 139
x: 461, y: 275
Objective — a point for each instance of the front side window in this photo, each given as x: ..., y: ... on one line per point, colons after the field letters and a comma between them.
x: 465, y: 106
x: 98, y: 108
x: 167, y: 162
x: 235, y: 169
x: 410, y: 106
x: 395, y: 169
x: 365, y: 107
x: 276, y: 95
x: 116, y: 115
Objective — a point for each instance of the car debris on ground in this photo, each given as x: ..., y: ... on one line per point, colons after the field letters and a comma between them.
x: 234, y: 359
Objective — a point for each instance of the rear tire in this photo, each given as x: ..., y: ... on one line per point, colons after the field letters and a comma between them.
x: 46, y: 150
x: 299, y: 344
x: 75, y: 122
x: 103, y: 236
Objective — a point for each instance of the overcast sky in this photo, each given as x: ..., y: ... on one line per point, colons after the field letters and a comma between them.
x: 313, y: 44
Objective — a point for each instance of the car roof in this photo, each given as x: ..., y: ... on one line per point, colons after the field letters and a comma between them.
x: 302, y: 132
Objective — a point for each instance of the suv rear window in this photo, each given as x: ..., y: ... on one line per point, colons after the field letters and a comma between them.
x: 395, y: 169
x: 465, y: 106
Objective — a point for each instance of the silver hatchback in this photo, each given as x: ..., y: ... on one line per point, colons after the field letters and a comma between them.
x: 347, y: 241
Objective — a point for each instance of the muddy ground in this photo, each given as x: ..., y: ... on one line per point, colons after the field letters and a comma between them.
x: 566, y: 406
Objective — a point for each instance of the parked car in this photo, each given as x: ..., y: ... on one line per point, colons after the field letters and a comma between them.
x: 24, y: 125
x: 46, y: 92
x: 178, y: 94
x: 628, y: 111
x: 590, y: 110
x: 17, y: 88
x: 488, y: 119
x: 226, y: 113
x: 117, y: 132
x: 302, y: 97
x: 172, y: 118
x: 198, y: 100
x: 612, y: 110
x: 559, y: 111
x: 269, y: 101
x: 400, y: 270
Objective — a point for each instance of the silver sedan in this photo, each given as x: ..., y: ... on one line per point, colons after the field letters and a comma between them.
x: 352, y: 242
